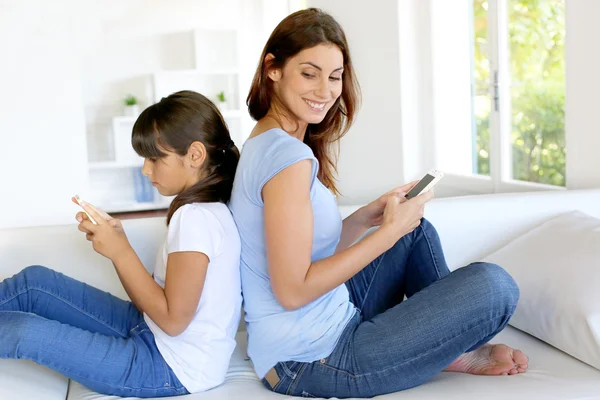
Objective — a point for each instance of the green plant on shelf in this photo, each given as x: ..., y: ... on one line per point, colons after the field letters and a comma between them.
x: 221, y: 96
x: 130, y: 100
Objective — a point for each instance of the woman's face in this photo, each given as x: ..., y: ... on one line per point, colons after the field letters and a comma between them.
x: 310, y: 82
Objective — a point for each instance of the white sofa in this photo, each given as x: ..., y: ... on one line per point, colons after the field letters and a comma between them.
x: 470, y: 228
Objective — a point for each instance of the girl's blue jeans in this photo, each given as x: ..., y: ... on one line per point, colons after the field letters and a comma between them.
x: 86, y: 334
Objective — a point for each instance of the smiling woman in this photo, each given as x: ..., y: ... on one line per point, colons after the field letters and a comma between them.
x: 304, y: 80
x: 326, y: 316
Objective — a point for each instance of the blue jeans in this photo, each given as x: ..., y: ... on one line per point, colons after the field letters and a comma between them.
x: 82, y: 332
x: 393, y: 344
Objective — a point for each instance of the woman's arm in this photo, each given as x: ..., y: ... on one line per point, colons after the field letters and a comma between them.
x: 353, y: 227
x: 356, y: 224
x: 289, y: 230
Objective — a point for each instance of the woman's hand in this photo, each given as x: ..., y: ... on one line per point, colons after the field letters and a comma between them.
x: 108, y: 237
x: 372, y: 213
x: 401, y: 216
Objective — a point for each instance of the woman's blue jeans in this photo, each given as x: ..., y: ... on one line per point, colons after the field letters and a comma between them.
x: 394, y: 344
x: 86, y: 334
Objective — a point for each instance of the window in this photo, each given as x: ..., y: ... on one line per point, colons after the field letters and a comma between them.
x: 519, y: 89
x: 498, y: 93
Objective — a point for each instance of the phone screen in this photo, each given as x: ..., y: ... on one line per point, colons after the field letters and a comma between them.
x: 422, y: 184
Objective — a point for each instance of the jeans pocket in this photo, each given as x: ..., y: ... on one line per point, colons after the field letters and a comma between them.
x: 334, y: 367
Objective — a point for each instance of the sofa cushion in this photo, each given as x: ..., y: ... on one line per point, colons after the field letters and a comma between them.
x: 23, y: 379
x: 552, y: 375
x: 557, y: 268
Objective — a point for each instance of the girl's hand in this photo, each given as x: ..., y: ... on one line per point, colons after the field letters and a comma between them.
x: 108, y: 237
x: 400, y: 216
x: 373, y: 212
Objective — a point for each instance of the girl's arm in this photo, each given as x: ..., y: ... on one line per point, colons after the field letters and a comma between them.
x: 289, y: 230
x: 171, y: 308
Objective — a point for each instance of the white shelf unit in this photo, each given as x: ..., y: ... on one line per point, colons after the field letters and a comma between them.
x: 130, y: 206
x: 216, y: 69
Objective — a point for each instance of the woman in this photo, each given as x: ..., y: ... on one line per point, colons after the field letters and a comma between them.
x: 326, y: 317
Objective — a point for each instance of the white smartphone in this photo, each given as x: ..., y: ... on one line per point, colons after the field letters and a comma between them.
x: 78, y: 199
x: 425, y: 184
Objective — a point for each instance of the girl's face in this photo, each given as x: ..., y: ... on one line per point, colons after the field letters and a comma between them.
x: 310, y: 82
x: 174, y: 173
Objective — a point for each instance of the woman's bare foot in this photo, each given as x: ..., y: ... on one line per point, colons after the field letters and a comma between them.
x: 491, y: 359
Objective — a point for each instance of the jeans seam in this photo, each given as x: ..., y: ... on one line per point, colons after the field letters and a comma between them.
x: 435, y: 261
x: 79, y: 376
x: 341, y: 371
x: 430, y: 350
x: 288, y: 371
x: 295, y: 380
x: 371, y: 281
x: 106, y: 324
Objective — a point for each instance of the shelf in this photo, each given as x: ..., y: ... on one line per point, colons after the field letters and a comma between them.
x: 113, y: 165
x: 135, y: 206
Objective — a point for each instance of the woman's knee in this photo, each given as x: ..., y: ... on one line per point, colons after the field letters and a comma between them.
x: 495, y: 283
x: 426, y: 225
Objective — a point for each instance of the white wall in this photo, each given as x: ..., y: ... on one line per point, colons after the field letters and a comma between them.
x: 42, y: 129
x: 66, y: 66
x: 583, y: 87
x: 371, y: 153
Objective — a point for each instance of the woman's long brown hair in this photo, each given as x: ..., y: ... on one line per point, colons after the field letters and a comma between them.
x: 298, y: 31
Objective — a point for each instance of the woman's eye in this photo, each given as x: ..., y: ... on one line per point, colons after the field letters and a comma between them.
x: 307, y: 75
x: 335, y: 78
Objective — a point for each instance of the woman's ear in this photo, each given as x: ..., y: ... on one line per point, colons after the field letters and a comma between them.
x: 196, y: 154
x: 272, y: 72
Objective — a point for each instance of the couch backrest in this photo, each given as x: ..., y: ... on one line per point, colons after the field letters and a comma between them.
x: 470, y: 228
x: 473, y: 227
x: 65, y: 249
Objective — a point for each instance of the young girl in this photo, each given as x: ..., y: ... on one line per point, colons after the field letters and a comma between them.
x: 327, y: 318
x: 177, y: 334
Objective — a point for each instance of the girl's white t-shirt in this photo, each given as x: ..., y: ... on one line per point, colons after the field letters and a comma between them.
x: 200, y: 356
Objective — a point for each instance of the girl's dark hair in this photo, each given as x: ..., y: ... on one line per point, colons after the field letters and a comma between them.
x: 298, y: 31
x: 174, y: 123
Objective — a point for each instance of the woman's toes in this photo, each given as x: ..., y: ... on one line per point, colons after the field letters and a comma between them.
x: 519, y: 357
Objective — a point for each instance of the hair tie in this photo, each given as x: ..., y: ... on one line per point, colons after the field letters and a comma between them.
x: 229, y: 145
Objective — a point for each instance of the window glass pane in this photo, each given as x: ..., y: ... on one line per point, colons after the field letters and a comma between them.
x: 536, y: 39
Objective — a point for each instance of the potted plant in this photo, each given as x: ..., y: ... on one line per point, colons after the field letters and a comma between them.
x: 221, y: 100
x: 131, y: 106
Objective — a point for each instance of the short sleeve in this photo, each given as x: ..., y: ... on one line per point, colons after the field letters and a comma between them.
x: 193, y: 228
x: 284, y: 151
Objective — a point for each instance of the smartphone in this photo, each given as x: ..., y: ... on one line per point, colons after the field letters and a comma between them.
x: 425, y: 184
x: 78, y: 199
